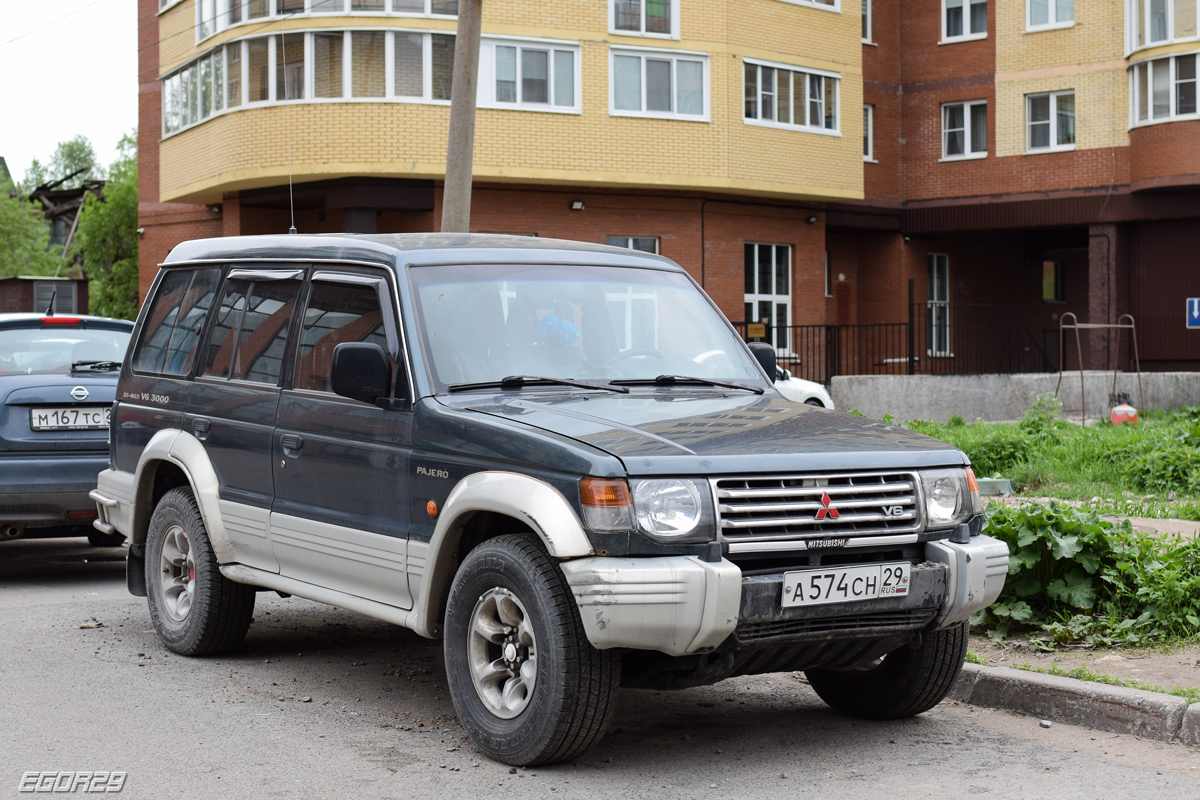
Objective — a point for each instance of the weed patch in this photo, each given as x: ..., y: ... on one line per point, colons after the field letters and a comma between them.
x: 1083, y: 673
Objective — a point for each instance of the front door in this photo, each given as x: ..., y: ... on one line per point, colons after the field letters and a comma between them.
x: 340, y: 517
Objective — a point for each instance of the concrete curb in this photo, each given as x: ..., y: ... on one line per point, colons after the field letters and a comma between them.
x: 1150, y: 715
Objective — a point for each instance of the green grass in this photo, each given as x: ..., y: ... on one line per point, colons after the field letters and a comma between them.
x: 1122, y: 465
x: 1083, y: 673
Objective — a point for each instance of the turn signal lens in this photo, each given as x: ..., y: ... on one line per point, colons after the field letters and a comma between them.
x: 973, y: 489
x: 606, y: 503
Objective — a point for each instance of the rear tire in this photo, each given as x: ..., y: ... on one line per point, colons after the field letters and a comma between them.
x: 195, y: 609
x: 908, y: 682
x: 527, y: 684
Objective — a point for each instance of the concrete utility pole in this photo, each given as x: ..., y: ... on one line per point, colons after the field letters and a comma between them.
x: 460, y: 150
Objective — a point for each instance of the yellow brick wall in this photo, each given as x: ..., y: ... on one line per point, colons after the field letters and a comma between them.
x: 1087, y: 57
x: 245, y: 148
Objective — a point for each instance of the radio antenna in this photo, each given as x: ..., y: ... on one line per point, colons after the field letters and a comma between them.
x: 287, y: 125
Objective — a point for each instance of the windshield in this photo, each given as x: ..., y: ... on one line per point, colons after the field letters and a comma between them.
x: 483, y: 323
x: 29, y: 350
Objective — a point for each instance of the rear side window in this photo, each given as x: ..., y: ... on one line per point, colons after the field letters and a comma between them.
x: 336, y: 313
x: 173, y: 324
x: 250, y: 332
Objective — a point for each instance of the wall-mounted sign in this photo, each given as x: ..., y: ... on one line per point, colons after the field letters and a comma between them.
x: 756, y: 330
x: 1193, y: 312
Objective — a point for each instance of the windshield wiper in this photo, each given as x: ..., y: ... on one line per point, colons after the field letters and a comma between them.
x: 672, y: 380
x: 102, y: 366
x: 521, y: 381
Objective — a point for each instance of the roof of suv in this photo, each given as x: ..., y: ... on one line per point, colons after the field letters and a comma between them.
x: 405, y: 248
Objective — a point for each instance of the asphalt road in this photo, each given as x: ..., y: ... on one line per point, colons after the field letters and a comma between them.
x: 325, y: 703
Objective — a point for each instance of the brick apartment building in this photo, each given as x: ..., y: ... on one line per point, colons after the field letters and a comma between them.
x: 808, y: 161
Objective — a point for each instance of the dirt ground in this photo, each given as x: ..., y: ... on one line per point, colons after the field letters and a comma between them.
x: 1166, y: 668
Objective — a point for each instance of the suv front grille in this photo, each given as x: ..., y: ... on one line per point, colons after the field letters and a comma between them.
x: 814, y: 511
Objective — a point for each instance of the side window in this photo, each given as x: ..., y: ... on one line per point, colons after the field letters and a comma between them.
x: 250, y: 332
x: 336, y: 313
x: 173, y: 324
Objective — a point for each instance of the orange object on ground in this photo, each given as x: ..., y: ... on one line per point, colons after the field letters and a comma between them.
x: 1124, y: 413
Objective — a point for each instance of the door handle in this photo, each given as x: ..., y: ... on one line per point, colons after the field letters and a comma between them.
x: 200, y: 427
x: 291, y: 441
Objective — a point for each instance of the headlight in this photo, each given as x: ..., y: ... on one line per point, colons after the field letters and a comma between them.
x: 667, y: 508
x: 949, y: 499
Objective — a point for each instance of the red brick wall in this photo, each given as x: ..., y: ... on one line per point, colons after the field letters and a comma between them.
x: 1164, y: 151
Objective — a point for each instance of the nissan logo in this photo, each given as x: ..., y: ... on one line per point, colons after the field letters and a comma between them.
x: 79, y: 393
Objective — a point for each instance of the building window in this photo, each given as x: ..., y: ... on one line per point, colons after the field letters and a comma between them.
x: 938, y: 305
x: 1042, y: 14
x: 1052, y: 291
x: 829, y: 5
x: 644, y: 17
x: 783, y: 97
x: 828, y: 274
x: 1164, y: 89
x: 647, y: 244
x: 532, y: 76
x: 964, y: 19
x: 1050, y: 121
x: 1151, y: 22
x: 768, y: 290
x: 868, y: 133
x: 319, y: 66
x: 214, y: 16
x: 866, y: 20
x: 659, y: 84
x: 964, y: 130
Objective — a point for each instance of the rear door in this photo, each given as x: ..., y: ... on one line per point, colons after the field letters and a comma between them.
x: 231, y: 407
x: 340, y: 517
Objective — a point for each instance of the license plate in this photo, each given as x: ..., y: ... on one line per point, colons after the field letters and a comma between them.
x: 816, y: 587
x: 69, y: 418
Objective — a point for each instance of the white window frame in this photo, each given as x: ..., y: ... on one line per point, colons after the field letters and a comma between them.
x: 836, y: 130
x: 487, y: 74
x: 673, y: 56
x: 868, y: 9
x: 1152, y: 65
x: 1136, y: 22
x: 869, y: 133
x: 967, y: 35
x: 835, y: 6
x: 938, y: 304
x: 1054, y: 22
x: 967, y: 154
x: 273, y: 13
x: 643, y: 33
x: 753, y: 298
x: 166, y: 5
x: 219, y: 51
x: 1053, y: 147
x: 828, y: 274
x: 627, y: 242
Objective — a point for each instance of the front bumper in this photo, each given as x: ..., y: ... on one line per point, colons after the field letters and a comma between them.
x: 41, y: 489
x: 681, y: 604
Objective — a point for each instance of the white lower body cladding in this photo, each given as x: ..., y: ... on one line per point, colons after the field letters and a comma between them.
x: 976, y: 575
x: 114, y: 502
x: 675, y: 604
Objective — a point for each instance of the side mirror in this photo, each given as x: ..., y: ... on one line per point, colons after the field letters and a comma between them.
x: 764, y: 353
x: 361, y: 371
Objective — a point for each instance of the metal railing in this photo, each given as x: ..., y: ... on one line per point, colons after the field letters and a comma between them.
x: 937, y: 339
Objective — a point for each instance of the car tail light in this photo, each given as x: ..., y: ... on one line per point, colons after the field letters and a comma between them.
x: 86, y: 513
x: 61, y: 320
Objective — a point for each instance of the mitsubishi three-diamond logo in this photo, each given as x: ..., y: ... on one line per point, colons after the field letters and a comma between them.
x: 828, y: 507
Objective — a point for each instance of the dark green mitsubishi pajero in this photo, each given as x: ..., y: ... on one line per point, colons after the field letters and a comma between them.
x: 558, y: 457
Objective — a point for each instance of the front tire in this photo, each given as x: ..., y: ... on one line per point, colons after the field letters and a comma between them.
x: 908, y: 682
x: 195, y: 609
x: 526, y: 683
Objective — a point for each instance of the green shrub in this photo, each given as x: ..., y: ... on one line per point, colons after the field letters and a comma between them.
x: 1077, y: 577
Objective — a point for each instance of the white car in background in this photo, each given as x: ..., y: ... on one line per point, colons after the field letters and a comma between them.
x: 800, y: 390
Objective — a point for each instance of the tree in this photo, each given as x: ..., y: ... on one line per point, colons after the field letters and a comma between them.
x: 70, y: 156
x: 107, y: 238
x: 24, y: 237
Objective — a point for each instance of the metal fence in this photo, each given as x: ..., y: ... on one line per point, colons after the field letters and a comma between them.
x: 937, y: 339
